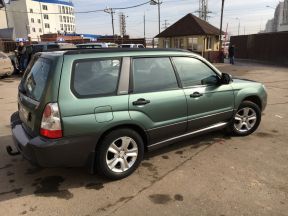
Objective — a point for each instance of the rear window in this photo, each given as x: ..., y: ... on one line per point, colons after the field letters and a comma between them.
x: 95, y: 77
x: 36, y: 78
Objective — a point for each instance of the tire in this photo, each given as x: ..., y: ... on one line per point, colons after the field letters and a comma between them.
x: 121, y: 159
x: 246, y: 120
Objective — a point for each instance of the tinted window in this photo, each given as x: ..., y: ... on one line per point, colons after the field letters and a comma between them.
x: 36, y: 78
x: 95, y: 77
x: 153, y: 74
x: 193, y: 71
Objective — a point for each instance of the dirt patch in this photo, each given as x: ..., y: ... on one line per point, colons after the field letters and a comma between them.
x: 179, y: 152
x: 9, y: 173
x: 6, y: 166
x: 264, y: 134
x: 34, y: 170
x: 178, y: 197
x: 94, y: 186
x: 49, y: 187
x: 160, y: 198
x: 15, y: 191
x: 165, y: 157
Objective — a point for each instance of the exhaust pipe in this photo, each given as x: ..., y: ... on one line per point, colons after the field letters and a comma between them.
x: 11, y: 152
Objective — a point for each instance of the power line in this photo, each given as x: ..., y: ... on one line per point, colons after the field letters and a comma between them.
x: 82, y: 12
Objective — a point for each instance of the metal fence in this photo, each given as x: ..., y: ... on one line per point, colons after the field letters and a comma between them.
x: 7, y: 45
x: 265, y: 47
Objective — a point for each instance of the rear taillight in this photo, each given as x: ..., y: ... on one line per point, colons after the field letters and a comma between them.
x: 51, y: 122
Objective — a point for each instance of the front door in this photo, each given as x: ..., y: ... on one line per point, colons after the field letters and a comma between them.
x: 208, y: 101
x: 156, y: 101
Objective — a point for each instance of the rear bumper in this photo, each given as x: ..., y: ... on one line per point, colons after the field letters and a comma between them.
x: 64, y: 152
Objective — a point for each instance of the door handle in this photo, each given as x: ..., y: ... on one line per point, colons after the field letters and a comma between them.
x: 196, y: 95
x: 141, y: 102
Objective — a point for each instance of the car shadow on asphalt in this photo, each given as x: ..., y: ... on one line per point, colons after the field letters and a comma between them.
x: 20, y: 178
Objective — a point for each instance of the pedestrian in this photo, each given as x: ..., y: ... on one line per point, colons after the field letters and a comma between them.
x: 22, y: 56
x: 231, y: 54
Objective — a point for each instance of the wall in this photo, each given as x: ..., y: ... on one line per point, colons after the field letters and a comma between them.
x: 269, y: 47
x: 22, y: 22
x: 3, y: 21
x: 201, y: 45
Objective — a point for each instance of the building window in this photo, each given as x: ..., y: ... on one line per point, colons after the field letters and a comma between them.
x: 44, y: 7
x: 60, y: 17
x: 39, y: 21
x: 166, y: 43
x: 59, y: 7
x: 63, y: 9
x: 208, y: 43
x: 31, y: 10
x: 176, y: 43
x: 33, y: 30
x: 47, y: 25
x: 32, y: 20
x: 66, y: 10
x: 64, y: 18
x: 40, y: 30
x: 61, y: 27
x: 46, y: 16
x: 193, y: 44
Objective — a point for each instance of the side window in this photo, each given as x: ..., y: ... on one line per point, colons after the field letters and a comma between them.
x: 153, y: 74
x: 95, y: 77
x: 194, y: 72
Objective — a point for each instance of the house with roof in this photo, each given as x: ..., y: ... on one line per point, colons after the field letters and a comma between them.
x: 191, y: 33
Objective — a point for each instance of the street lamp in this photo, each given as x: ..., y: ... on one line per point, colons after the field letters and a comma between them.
x: 157, y: 2
x: 237, y: 18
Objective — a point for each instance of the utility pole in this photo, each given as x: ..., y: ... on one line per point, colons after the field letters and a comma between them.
x: 166, y: 24
x: 159, y: 16
x: 157, y: 2
x: 111, y: 12
x: 144, y: 26
x: 221, y: 24
x: 203, y: 10
x: 122, y: 20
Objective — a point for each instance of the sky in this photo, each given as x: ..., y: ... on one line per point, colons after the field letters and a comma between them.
x: 252, y: 15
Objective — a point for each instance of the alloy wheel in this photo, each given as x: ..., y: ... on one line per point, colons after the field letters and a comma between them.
x: 121, y: 154
x: 245, y: 119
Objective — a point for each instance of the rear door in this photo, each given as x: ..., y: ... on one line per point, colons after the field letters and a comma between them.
x: 31, y: 90
x: 156, y: 101
x: 208, y: 101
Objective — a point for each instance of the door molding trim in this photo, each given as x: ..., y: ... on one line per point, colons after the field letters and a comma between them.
x: 210, y: 128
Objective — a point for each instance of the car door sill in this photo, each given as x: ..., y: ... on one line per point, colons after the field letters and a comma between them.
x: 177, y: 138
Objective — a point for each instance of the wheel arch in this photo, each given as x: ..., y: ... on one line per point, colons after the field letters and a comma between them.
x: 140, y: 130
x: 255, y: 99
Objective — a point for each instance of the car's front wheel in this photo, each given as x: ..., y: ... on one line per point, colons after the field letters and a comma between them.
x: 119, y: 153
x: 246, y: 120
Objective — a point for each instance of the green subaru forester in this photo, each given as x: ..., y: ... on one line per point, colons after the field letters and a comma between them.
x: 104, y: 108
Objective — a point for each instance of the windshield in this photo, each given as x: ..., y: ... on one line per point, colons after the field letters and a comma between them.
x: 35, y: 80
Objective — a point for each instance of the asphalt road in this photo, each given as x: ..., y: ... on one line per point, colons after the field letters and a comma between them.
x: 208, y: 175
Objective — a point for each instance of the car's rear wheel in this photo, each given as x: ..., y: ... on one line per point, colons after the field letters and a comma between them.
x: 246, y: 120
x: 119, y: 154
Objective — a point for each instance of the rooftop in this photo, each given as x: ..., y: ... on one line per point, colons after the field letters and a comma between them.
x: 189, y: 25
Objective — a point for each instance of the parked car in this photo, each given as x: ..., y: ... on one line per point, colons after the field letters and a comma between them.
x: 47, y: 46
x: 6, y: 66
x: 131, y: 46
x: 96, y: 45
x: 104, y: 108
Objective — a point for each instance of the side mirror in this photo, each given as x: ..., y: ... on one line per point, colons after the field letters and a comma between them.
x: 226, y: 78
x: 211, y: 80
